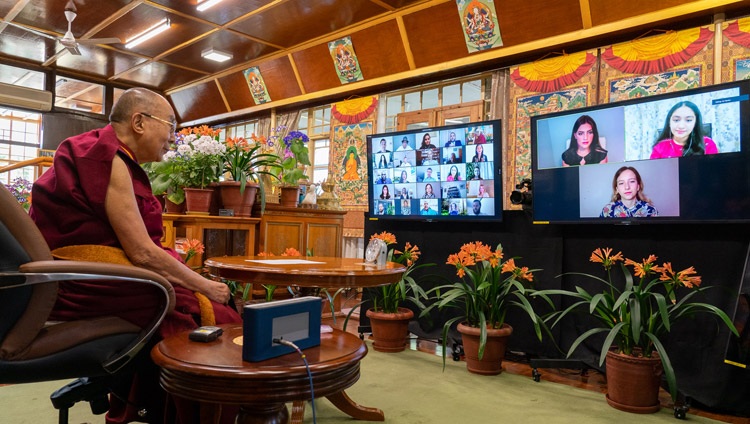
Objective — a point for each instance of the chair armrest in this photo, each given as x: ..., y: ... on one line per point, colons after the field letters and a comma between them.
x: 53, y: 271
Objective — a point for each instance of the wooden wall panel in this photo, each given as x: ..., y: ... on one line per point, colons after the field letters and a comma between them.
x: 198, y: 101
x: 279, y: 78
x: 435, y: 35
x: 606, y: 11
x: 522, y: 21
x: 374, y: 60
x: 316, y: 68
x: 236, y: 91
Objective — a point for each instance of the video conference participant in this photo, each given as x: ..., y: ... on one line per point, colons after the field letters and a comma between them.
x: 404, y: 147
x: 383, y: 162
x: 381, y: 209
x: 682, y: 134
x: 628, y: 199
x: 405, y: 206
x: 383, y: 146
x: 479, y: 155
x: 383, y: 178
x: 385, y: 192
x: 427, y: 142
x: 428, y: 177
x: 453, y: 174
x: 452, y: 141
x: 584, y: 147
x: 429, y: 193
x: 428, y: 208
x: 476, y: 207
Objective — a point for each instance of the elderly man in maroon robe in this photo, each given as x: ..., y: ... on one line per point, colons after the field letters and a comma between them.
x: 97, y: 193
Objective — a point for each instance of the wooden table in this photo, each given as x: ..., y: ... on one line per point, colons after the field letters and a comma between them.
x: 328, y: 272
x: 214, y: 373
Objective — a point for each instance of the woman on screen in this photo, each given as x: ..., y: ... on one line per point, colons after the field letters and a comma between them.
x: 385, y: 193
x: 383, y: 162
x: 628, y: 199
x: 479, y: 155
x: 482, y: 191
x: 405, y: 207
x: 453, y: 174
x: 682, y: 134
x: 453, y: 210
x: 428, y: 193
x: 584, y: 147
x: 426, y: 142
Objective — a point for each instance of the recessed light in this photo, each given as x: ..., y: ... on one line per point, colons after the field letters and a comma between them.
x: 216, y: 55
x: 205, y: 4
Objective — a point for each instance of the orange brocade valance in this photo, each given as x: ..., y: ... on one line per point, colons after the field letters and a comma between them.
x: 657, y: 54
x: 553, y: 74
x: 354, y: 110
x: 739, y: 32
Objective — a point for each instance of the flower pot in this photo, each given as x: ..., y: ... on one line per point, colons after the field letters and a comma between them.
x: 289, y: 196
x: 633, y: 382
x: 389, y: 330
x: 494, y: 351
x: 240, y: 203
x: 198, y: 200
x: 172, y: 207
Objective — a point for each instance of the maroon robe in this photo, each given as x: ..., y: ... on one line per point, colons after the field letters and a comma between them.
x: 68, y: 207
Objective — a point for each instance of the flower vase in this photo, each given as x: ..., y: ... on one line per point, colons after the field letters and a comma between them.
x: 240, y: 202
x: 494, y: 351
x: 198, y: 200
x: 633, y: 382
x: 389, y: 330
x: 289, y: 196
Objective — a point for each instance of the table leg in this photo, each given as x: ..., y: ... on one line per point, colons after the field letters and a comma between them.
x: 263, y: 414
x: 344, y: 403
x: 298, y: 411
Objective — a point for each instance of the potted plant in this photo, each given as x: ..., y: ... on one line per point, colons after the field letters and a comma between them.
x: 200, y: 156
x: 296, y: 155
x: 21, y: 190
x: 245, y: 161
x: 167, y: 180
x: 389, y: 319
x: 635, y: 318
x: 487, y: 287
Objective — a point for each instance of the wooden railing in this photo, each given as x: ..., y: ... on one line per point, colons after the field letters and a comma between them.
x: 40, y: 164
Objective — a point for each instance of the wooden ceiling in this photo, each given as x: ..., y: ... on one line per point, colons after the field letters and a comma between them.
x: 397, y: 42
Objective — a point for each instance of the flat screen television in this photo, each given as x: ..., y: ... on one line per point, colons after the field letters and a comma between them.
x: 447, y: 173
x: 678, y: 157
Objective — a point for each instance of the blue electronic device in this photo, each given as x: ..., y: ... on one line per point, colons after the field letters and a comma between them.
x: 295, y: 320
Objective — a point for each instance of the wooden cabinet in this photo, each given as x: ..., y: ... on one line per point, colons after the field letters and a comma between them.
x: 221, y: 235
x: 318, y: 230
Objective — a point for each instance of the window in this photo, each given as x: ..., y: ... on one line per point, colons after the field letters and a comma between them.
x: 316, y: 123
x: 445, y: 93
x: 79, y: 95
x: 20, y: 137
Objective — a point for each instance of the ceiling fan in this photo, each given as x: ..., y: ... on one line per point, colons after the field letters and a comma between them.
x: 68, y: 40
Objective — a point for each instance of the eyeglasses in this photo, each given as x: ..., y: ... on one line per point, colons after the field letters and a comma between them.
x: 172, y: 124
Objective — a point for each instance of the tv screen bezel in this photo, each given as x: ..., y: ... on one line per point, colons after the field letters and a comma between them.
x: 497, y: 185
x: 744, y: 133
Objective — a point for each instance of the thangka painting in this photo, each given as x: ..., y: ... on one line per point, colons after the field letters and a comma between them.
x: 348, y: 162
x: 345, y: 60
x: 648, y: 85
x: 479, y: 23
x: 736, y: 50
x: 257, y: 85
x: 674, y: 61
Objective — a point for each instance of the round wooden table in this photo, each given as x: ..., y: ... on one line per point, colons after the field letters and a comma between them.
x: 316, y: 271
x: 214, y: 373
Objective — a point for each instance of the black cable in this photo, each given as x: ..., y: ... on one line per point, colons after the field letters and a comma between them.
x: 307, y: 367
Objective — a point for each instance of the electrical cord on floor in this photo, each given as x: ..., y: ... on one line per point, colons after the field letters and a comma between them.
x: 307, y: 367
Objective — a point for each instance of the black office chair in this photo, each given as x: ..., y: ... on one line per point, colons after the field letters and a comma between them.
x: 95, y: 351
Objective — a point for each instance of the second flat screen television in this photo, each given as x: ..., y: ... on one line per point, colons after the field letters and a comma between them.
x: 447, y: 173
x: 678, y: 157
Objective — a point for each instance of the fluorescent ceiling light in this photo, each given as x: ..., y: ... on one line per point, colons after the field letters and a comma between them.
x: 155, y: 30
x: 216, y: 55
x: 205, y: 4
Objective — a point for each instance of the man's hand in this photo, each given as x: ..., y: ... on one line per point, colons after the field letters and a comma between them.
x: 216, y: 291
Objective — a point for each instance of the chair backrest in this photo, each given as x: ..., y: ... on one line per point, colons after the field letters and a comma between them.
x: 23, y: 310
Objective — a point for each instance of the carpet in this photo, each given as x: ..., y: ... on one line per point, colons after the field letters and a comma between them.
x: 411, y: 388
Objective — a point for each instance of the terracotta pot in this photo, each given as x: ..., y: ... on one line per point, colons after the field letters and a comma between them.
x: 240, y: 203
x: 198, y: 200
x: 633, y: 382
x: 494, y: 351
x: 289, y: 196
x: 389, y: 330
x: 172, y: 207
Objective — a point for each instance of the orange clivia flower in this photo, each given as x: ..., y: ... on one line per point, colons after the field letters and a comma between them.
x: 604, y: 256
x: 290, y: 251
x: 191, y: 247
x: 387, y: 237
x: 509, y: 265
x: 645, y: 267
x: 687, y: 277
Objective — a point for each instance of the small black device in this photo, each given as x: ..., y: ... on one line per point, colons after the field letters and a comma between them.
x: 204, y: 334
